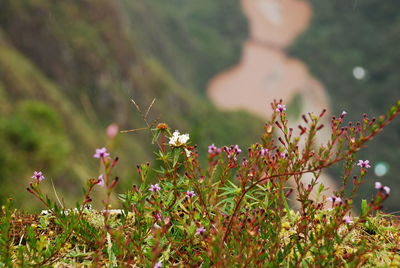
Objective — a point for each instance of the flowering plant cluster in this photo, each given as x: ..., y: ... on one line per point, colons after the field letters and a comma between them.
x: 233, y: 212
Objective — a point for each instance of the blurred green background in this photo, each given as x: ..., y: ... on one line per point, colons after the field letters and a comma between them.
x: 68, y: 69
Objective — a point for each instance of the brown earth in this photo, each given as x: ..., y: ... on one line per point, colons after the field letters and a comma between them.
x: 266, y: 73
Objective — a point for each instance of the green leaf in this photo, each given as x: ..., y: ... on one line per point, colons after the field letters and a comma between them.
x: 177, y: 152
x: 364, y: 208
x: 110, y: 252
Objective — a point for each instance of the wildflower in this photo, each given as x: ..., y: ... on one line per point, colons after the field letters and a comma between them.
x: 38, y: 176
x: 343, y: 114
x: 264, y: 152
x: 212, y: 148
x: 363, y: 164
x: 112, y: 131
x: 347, y: 220
x: 178, y: 139
x: 232, y: 152
x: 101, y: 153
x: 334, y: 199
x: 386, y: 189
x: 200, y: 230
x: 380, y: 187
x: 190, y: 194
x: 155, y: 188
x: 188, y: 152
x: 158, y: 265
x: 280, y: 108
x: 101, y: 180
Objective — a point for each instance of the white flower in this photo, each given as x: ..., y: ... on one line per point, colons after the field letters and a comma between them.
x: 387, y: 189
x: 177, y: 139
x: 188, y: 152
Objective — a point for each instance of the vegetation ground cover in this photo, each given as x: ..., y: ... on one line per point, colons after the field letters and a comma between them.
x: 232, y: 212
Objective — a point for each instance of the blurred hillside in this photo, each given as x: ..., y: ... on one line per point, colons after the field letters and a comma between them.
x: 69, y: 68
x: 351, y: 47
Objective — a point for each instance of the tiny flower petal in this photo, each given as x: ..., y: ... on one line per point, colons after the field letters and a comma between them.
x: 158, y: 265
x: 190, y: 194
x: 188, y: 153
x: 101, y: 153
x: 155, y: 187
x: 200, y: 230
x: 378, y: 185
x: 112, y: 131
x: 347, y: 219
x: 264, y: 152
x: 386, y: 189
x: 363, y: 164
x: 38, y: 176
x: 101, y: 180
x: 280, y: 108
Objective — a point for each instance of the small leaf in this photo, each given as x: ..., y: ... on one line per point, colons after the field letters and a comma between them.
x: 364, y: 208
x: 176, y: 156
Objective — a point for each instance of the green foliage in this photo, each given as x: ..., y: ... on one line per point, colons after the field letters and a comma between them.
x: 78, y: 59
x: 32, y: 134
x: 194, y: 40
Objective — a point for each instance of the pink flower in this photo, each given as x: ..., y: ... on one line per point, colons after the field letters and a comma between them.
x: 343, y: 114
x: 200, y: 230
x: 232, y: 152
x: 112, y: 131
x: 190, y: 194
x: 155, y: 188
x: 38, y: 176
x: 347, y: 220
x: 212, y: 148
x: 238, y: 149
x: 101, y: 153
x: 264, y: 152
x: 363, y: 164
x: 386, y: 189
x: 158, y: 265
x: 335, y: 199
x: 101, y: 180
x: 280, y: 108
x: 378, y: 185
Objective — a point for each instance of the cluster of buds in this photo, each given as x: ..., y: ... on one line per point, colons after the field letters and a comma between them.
x: 232, y: 152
